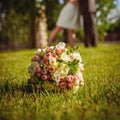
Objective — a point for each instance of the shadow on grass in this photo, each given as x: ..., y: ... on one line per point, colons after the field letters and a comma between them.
x: 28, y: 88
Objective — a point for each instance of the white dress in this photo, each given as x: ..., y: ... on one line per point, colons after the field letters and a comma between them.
x: 69, y: 17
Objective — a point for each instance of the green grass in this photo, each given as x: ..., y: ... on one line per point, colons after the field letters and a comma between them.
x: 99, y: 99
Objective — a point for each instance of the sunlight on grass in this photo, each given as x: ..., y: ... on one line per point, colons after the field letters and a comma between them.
x: 98, y: 99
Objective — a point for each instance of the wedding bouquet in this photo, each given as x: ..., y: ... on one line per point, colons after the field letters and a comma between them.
x: 56, y: 67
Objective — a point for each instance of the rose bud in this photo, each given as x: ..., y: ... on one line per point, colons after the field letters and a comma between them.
x: 55, y: 56
x: 70, y: 85
x: 49, y: 77
x: 44, y: 77
x: 37, y: 68
x: 59, y: 51
x: 51, y: 69
x: 43, y: 71
x: 70, y: 79
x: 76, y: 77
x: 62, y: 85
x: 35, y: 59
x: 62, y: 79
x: 45, y: 62
x: 38, y: 75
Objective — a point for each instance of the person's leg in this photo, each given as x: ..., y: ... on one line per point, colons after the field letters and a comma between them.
x: 71, y: 37
x: 90, y: 30
x: 86, y: 30
x: 53, y: 34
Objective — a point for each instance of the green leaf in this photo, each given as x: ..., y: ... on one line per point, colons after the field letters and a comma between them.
x: 74, y: 65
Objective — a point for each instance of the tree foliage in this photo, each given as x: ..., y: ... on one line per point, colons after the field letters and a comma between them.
x: 17, y: 18
x: 53, y: 8
x: 103, y: 9
x: 15, y: 21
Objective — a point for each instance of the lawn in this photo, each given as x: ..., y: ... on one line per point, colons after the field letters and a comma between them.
x: 98, y: 99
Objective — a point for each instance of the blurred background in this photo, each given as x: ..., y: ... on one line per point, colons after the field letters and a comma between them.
x: 24, y: 23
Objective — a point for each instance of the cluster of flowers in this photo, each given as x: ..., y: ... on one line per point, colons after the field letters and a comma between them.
x: 57, y: 64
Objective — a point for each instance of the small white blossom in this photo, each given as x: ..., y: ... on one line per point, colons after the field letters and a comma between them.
x: 65, y: 57
x: 82, y: 83
x: 81, y: 66
x: 53, y: 62
x: 52, y: 47
x: 61, y: 45
x: 76, y: 56
x: 38, y: 51
x: 75, y: 88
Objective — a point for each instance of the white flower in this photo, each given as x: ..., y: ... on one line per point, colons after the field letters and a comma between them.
x: 75, y: 88
x: 81, y: 80
x: 53, y: 62
x: 65, y: 57
x: 81, y: 66
x: 62, y: 71
x: 38, y: 51
x: 77, y: 81
x: 30, y: 69
x: 31, y: 66
x: 82, y: 83
x: 52, y: 47
x: 76, y: 55
x: 80, y: 75
x: 60, y: 45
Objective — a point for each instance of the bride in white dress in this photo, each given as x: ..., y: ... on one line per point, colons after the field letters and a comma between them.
x: 69, y: 19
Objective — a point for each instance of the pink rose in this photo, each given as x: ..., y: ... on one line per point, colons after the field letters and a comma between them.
x: 55, y: 56
x: 59, y: 51
x: 51, y: 69
x: 38, y: 75
x: 45, y: 62
x: 49, y: 77
x: 37, y: 68
x: 44, y: 77
x: 62, y: 79
x: 70, y: 78
x: 76, y: 77
x: 70, y: 85
x: 35, y: 59
x: 47, y: 56
x: 44, y: 71
x: 62, y: 85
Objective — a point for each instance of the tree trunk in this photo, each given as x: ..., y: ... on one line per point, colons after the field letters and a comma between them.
x: 32, y: 24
